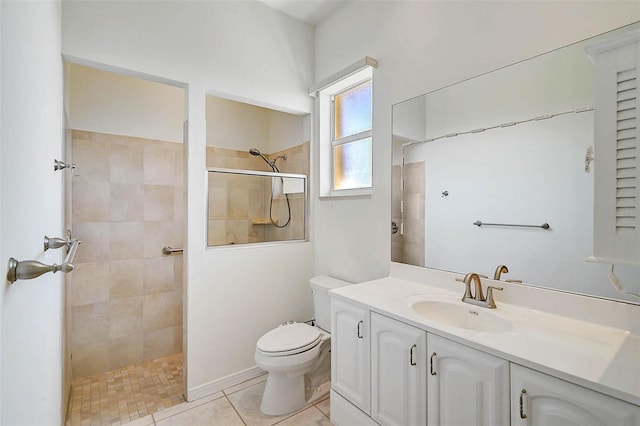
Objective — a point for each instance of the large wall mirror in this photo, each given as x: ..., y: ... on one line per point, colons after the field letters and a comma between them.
x: 505, y: 148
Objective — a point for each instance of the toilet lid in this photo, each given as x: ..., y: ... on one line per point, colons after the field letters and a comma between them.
x: 288, y: 338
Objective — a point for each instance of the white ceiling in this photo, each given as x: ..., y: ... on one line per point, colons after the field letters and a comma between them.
x: 309, y: 11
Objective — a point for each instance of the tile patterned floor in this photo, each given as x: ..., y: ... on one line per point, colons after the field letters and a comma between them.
x: 237, y: 405
x: 120, y: 396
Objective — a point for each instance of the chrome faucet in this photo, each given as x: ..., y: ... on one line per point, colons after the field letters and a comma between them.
x: 478, y: 298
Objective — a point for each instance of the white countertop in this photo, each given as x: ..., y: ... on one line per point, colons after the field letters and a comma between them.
x: 603, y: 358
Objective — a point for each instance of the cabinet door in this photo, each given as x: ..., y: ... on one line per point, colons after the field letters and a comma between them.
x: 538, y: 399
x: 466, y: 387
x: 398, y: 372
x: 350, y: 354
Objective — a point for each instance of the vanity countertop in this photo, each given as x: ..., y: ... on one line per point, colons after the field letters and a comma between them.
x: 599, y: 357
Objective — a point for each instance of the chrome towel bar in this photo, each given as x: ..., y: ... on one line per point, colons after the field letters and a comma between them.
x: 479, y: 224
x: 28, y: 269
x: 167, y: 250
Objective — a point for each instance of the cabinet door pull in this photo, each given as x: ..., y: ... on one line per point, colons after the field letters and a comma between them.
x: 433, y: 373
x: 360, y: 336
x: 522, y: 413
x: 411, y: 361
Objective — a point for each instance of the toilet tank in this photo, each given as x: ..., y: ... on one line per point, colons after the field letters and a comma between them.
x: 320, y: 287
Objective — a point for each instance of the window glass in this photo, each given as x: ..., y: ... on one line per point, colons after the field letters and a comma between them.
x: 247, y: 206
x: 353, y: 111
x: 352, y: 164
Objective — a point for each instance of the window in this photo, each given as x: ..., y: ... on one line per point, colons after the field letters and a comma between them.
x: 351, y: 144
x: 344, y: 106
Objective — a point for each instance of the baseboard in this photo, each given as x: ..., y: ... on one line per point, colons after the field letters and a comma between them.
x: 223, y: 383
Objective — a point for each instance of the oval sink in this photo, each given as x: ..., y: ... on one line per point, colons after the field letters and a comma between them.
x: 461, y: 315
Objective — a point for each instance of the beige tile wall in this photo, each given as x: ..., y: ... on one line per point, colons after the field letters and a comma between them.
x: 235, y: 200
x: 410, y: 247
x: 126, y: 297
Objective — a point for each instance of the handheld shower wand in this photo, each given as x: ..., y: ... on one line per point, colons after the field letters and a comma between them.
x: 274, y: 167
x: 272, y: 164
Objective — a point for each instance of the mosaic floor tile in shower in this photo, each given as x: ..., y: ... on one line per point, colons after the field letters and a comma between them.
x: 126, y: 394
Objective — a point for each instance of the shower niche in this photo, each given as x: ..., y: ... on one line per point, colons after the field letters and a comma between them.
x: 257, y: 168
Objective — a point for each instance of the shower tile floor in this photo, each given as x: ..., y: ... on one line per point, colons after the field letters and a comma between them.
x: 147, y: 395
x: 120, y: 396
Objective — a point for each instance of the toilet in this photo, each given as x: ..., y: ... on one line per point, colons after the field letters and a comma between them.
x: 297, y: 355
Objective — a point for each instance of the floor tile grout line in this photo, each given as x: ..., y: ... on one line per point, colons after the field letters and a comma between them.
x: 296, y: 413
x: 200, y: 402
x: 234, y: 408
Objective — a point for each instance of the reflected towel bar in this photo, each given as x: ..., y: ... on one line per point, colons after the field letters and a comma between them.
x: 543, y: 226
x: 167, y: 250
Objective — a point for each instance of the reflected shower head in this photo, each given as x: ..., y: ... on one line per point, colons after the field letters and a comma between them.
x: 254, y: 151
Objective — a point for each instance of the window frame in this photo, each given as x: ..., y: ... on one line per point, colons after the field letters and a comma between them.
x: 336, y: 142
x: 356, y: 75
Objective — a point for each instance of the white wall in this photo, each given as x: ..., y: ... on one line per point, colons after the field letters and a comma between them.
x: 237, y: 125
x: 422, y: 46
x: 107, y: 102
x: 1, y: 251
x: 32, y: 207
x: 286, y: 131
x: 243, y: 51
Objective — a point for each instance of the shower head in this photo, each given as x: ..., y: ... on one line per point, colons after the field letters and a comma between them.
x: 272, y: 164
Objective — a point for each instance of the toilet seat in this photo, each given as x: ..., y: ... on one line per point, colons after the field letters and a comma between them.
x: 289, y: 339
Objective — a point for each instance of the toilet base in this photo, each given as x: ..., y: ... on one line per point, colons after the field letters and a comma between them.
x: 283, y: 394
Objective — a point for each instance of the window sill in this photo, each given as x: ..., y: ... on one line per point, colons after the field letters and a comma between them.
x: 347, y: 193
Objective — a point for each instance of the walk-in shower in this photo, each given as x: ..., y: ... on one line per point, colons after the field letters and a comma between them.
x: 276, y: 189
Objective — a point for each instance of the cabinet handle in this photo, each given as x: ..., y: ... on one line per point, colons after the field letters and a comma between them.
x: 360, y: 336
x: 411, y: 361
x: 522, y: 413
x: 433, y: 373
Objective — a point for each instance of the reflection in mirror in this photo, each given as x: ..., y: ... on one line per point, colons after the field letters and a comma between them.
x: 507, y: 147
x: 255, y: 207
x: 258, y: 161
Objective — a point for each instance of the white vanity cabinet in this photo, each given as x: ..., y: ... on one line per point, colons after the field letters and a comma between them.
x: 387, y: 372
x: 539, y: 399
x: 350, y: 353
x: 398, y: 372
x: 465, y: 386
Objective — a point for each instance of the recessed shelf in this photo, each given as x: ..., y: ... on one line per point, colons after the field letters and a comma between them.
x: 262, y: 221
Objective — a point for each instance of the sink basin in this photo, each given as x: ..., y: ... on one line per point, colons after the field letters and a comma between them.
x: 461, y: 315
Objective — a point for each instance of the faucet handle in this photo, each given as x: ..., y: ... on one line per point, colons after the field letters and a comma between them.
x: 467, y: 290
x: 491, y: 304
